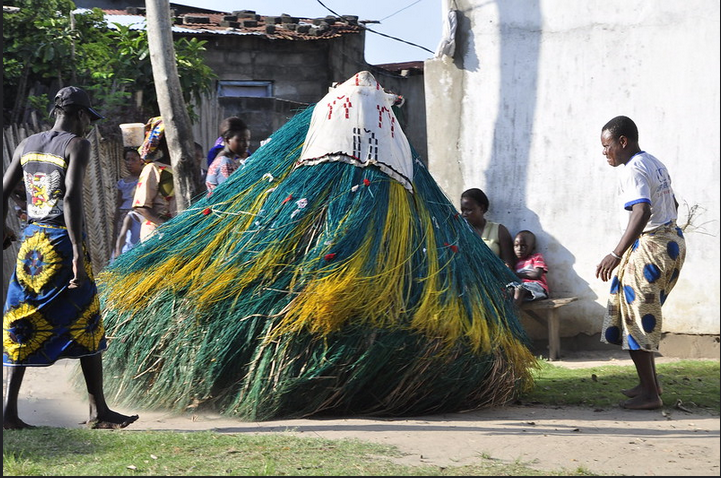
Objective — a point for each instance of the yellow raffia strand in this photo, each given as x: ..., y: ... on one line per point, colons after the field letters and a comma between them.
x: 228, y: 281
x: 443, y: 313
x: 346, y: 291
x: 330, y: 301
x: 520, y: 359
x: 482, y: 332
x: 435, y: 315
x: 129, y: 290
x: 233, y: 279
x: 122, y: 290
x: 226, y: 227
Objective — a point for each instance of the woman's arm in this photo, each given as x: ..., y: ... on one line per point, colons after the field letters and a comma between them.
x: 640, y: 214
x: 506, y: 245
x: 12, y: 177
x: 78, y: 154
x: 534, y: 274
x: 116, y: 217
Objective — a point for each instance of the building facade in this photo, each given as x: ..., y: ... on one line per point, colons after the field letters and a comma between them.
x: 269, y: 67
x: 517, y: 111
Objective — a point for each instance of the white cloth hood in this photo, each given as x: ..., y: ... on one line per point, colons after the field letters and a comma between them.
x: 355, y: 123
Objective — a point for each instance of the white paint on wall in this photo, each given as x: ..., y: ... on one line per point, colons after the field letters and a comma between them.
x: 518, y: 112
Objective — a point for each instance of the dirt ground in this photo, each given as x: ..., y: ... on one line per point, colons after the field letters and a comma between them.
x: 666, y: 442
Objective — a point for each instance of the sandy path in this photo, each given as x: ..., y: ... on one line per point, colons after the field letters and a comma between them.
x: 666, y: 442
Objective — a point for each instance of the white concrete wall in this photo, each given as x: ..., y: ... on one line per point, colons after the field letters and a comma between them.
x: 518, y: 112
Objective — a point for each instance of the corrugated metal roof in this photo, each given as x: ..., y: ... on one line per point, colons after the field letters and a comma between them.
x: 279, y: 27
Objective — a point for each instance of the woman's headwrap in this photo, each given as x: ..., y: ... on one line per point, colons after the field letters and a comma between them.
x: 154, y: 135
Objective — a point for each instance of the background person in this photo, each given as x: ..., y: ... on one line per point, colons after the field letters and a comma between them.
x: 199, y: 157
x: 129, y: 234
x: 124, y: 202
x: 236, y: 138
x: 474, y: 206
x: 154, y: 197
x: 220, y: 142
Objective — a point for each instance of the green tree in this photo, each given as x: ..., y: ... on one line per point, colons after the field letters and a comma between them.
x: 38, y: 48
x: 46, y: 45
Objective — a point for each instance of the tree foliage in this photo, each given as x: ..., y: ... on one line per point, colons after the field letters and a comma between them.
x: 48, y: 44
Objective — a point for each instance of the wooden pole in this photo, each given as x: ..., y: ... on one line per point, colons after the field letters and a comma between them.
x: 178, y: 131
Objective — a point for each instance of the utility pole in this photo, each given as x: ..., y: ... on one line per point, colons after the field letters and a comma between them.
x: 178, y: 131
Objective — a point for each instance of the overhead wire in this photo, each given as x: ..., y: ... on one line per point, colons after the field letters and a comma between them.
x: 379, y: 33
x: 399, y: 11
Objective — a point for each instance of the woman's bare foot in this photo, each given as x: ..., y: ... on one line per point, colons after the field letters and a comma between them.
x: 15, y: 424
x: 111, y: 421
x: 635, y: 391
x: 639, y: 403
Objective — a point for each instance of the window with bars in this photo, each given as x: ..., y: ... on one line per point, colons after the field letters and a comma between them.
x: 241, y: 88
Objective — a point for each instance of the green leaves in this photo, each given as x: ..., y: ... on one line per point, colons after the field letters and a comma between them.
x: 50, y: 43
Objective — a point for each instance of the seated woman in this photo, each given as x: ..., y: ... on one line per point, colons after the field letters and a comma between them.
x: 474, y: 206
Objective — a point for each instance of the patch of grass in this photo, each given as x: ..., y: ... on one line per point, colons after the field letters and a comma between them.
x: 693, y: 384
x: 81, y: 452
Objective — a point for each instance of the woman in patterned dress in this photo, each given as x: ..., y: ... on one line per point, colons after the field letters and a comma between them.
x: 52, y: 309
x: 649, y: 257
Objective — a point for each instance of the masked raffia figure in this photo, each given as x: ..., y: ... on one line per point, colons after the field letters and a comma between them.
x: 331, y: 277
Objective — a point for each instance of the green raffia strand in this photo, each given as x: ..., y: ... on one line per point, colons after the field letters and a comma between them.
x: 208, y: 313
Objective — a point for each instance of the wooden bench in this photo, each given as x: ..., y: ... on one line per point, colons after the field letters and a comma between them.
x: 544, y: 312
